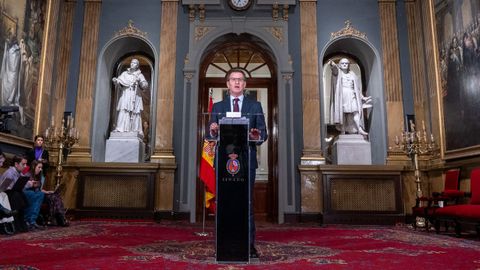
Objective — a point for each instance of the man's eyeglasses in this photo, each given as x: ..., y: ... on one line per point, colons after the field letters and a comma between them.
x: 236, y: 79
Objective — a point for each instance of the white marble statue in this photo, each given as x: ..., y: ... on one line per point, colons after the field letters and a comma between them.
x: 130, y: 104
x: 347, y: 100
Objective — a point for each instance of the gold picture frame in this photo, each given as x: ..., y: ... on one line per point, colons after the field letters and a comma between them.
x: 29, y: 29
x: 457, y: 102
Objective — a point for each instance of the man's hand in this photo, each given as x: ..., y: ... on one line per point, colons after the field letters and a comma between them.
x: 254, y: 134
x: 214, y: 129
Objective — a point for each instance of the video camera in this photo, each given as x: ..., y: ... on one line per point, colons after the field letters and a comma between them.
x: 6, y: 113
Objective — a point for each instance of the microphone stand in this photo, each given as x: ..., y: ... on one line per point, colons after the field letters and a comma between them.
x: 203, y: 233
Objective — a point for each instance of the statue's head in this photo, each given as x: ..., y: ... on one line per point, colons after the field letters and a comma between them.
x: 134, y: 63
x: 344, y: 64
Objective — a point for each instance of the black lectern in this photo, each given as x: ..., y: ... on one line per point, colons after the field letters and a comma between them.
x: 233, y: 196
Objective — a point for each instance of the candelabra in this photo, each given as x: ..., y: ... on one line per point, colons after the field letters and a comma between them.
x: 62, y: 138
x: 415, y: 143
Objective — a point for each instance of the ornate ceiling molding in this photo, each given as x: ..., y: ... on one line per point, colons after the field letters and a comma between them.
x: 130, y: 30
x: 348, y: 31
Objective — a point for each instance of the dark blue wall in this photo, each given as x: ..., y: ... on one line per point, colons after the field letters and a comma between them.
x: 363, y: 14
x: 114, y: 16
x: 145, y: 15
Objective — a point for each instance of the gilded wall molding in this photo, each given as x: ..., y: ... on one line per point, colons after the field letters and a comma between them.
x: 348, y: 31
x: 277, y: 33
x: 130, y: 30
x: 202, y: 31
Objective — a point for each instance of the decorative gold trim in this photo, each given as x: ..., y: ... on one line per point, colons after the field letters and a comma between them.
x: 191, y: 13
x: 130, y: 30
x: 201, y: 31
x: 285, y: 12
x: 445, y: 154
x: 441, y: 117
x: 43, y: 63
x: 275, y: 11
x: 277, y: 33
x: 201, y: 12
x: 347, y: 31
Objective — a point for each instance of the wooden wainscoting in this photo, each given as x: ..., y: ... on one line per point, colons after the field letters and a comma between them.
x: 116, y: 190
x: 362, y: 194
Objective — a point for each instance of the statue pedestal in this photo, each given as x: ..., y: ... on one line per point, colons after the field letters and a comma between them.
x: 125, y: 147
x: 352, y: 149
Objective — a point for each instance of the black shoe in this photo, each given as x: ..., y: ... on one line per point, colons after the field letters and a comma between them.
x: 4, y: 212
x: 4, y: 228
x: 34, y: 226
x: 253, y: 253
x: 61, y: 220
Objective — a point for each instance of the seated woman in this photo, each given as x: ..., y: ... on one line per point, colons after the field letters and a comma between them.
x: 34, y: 196
x: 16, y: 197
x: 6, y: 214
x: 52, y: 198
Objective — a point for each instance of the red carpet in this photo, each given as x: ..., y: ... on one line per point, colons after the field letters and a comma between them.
x: 168, y: 245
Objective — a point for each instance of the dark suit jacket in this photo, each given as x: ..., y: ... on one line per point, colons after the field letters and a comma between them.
x: 252, y: 110
x: 30, y: 155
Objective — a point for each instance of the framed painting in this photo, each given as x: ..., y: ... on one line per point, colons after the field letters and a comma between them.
x: 457, y: 24
x: 21, y: 41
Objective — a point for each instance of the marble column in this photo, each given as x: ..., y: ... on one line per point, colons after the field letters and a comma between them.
x: 163, y: 152
x: 46, y: 67
x: 417, y: 56
x: 310, y: 84
x: 311, y: 184
x: 86, y: 80
x: 62, y: 61
x: 391, y: 70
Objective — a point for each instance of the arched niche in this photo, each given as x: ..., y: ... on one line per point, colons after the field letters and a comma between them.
x: 116, y: 50
x: 202, y: 37
x: 370, y: 64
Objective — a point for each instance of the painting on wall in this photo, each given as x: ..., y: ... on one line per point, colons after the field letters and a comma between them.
x: 21, y: 37
x: 458, y: 38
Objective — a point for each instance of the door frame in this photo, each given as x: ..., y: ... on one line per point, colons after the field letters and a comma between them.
x: 271, y: 195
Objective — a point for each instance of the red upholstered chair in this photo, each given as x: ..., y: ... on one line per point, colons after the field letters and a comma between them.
x: 425, y: 206
x: 475, y: 186
x: 463, y: 213
x: 451, y: 192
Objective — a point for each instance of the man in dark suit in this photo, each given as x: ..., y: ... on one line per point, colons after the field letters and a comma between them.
x: 39, y: 153
x: 251, y: 109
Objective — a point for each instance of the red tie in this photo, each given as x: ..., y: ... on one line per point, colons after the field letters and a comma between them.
x: 235, y: 105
